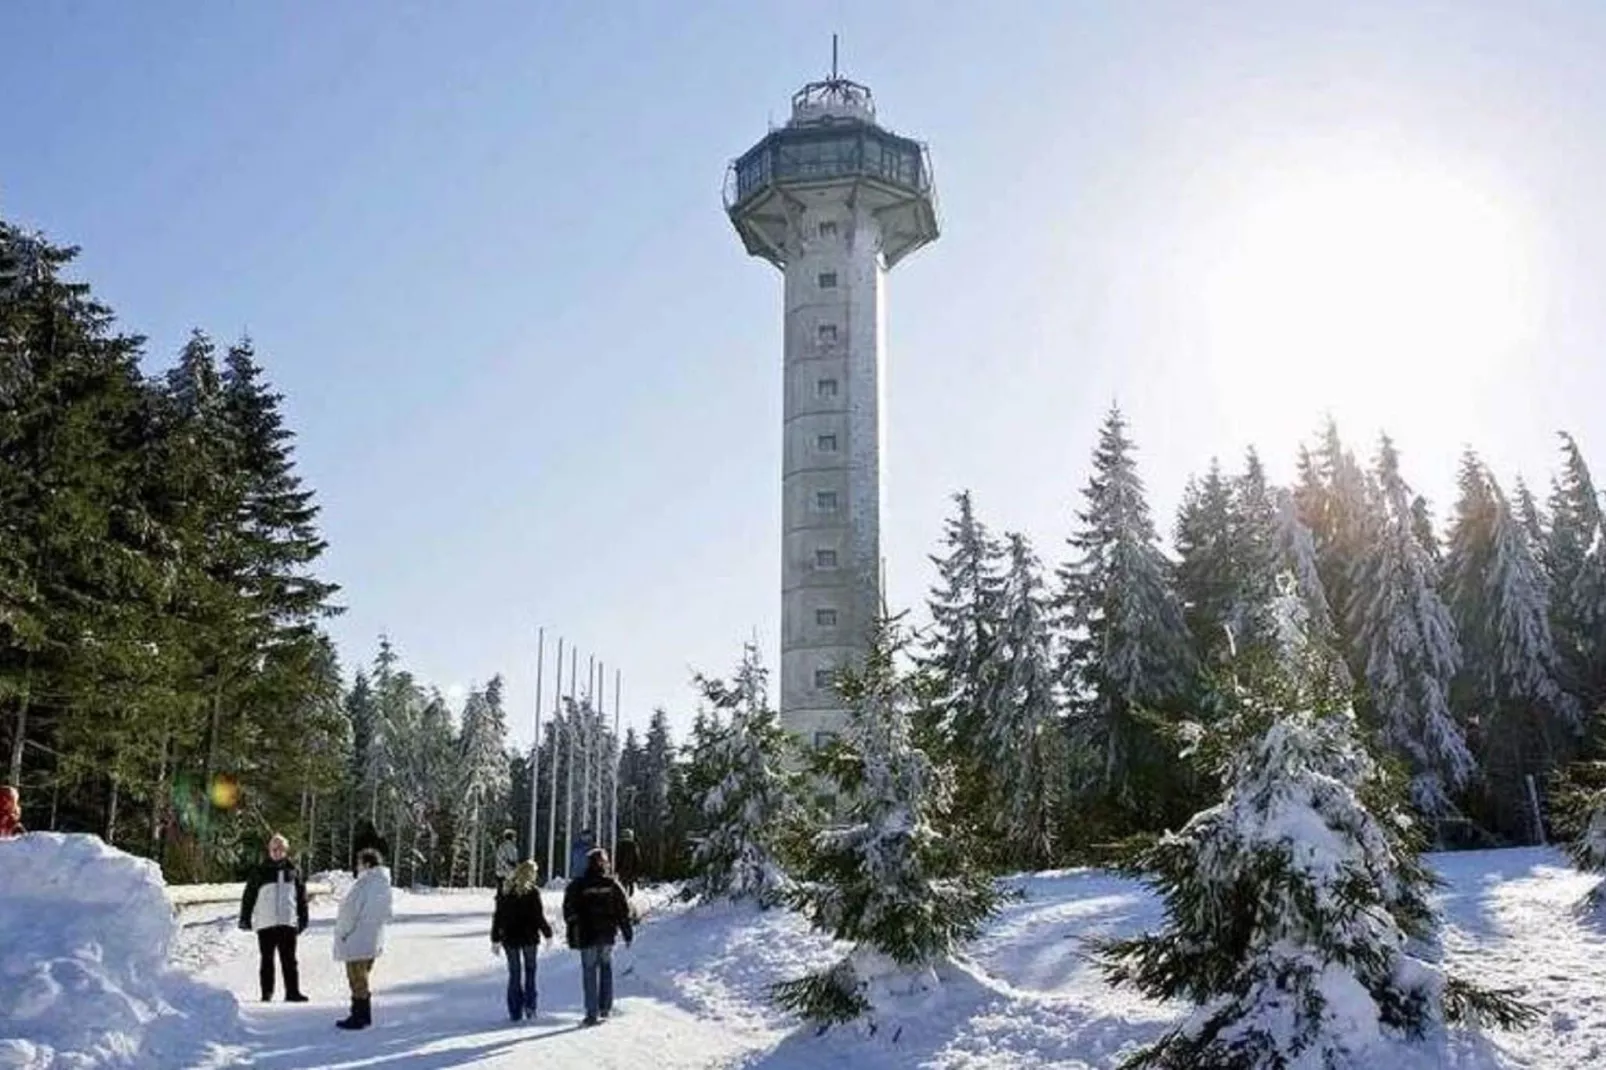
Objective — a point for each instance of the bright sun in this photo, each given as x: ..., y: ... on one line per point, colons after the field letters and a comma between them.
x: 1367, y: 292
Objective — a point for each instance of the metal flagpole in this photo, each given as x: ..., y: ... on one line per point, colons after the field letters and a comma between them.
x: 535, y: 747
x: 552, y: 799
x: 590, y: 744
x: 600, y: 748
x: 618, y: 756
x: 568, y: 780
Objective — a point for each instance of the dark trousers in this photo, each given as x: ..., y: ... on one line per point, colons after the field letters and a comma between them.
x: 280, y: 939
x: 520, y: 980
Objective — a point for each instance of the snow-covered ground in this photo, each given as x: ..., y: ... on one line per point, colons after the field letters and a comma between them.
x: 692, y: 993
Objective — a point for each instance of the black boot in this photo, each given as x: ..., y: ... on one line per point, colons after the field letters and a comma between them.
x: 361, y: 1015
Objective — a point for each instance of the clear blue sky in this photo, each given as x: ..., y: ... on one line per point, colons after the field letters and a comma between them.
x: 480, y: 247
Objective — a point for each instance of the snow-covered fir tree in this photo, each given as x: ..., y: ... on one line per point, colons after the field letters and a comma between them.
x: 1126, y: 653
x: 1227, y: 542
x: 1255, y: 554
x: 1521, y: 720
x: 1336, y: 501
x: 1575, y: 566
x: 1206, y: 574
x: 1296, y: 557
x: 1579, y: 804
x: 1292, y: 905
x: 964, y: 608
x: 1532, y: 521
x: 754, y: 794
x: 885, y: 877
x: 1406, y: 642
x: 1422, y: 528
x: 1019, y: 743
x: 483, y: 778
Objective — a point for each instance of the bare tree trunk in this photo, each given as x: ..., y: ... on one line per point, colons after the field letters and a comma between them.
x: 213, y: 720
x: 312, y: 833
x: 111, y: 813
x: 159, y: 801
x: 20, y: 736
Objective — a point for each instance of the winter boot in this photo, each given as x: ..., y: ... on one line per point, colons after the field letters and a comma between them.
x: 361, y: 1015
x: 295, y: 997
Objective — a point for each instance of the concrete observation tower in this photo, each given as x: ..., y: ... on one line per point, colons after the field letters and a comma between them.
x: 834, y: 201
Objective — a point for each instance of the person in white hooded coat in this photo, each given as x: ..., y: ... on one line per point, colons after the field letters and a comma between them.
x: 360, y: 933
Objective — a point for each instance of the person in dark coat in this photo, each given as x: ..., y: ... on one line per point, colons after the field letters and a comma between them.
x: 595, y: 913
x: 275, y: 908
x: 518, y: 925
x: 579, y: 850
x: 10, y: 813
x: 627, y: 860
x: 367, y: 839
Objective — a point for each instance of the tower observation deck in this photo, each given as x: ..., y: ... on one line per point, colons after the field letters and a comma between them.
x: 834, y: 201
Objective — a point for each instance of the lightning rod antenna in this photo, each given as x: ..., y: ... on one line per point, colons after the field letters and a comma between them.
x: 833, y: 58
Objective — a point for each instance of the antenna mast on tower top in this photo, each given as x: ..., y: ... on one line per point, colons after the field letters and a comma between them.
x: 833, y: 58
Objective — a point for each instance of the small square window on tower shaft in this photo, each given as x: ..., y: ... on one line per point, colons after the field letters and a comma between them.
x: 825, y: 501
x: 825, y: 388
x: 825, y: 559
x: 827, y: 280
x: 822, y: 679
x: 825, y: 443
x: 825, y: 618
x: 827, y: 334
x: 828, y: 228
x: 823, y: 739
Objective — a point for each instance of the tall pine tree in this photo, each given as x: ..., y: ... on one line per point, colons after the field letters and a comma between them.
x: 754, y: 795
x: 1020, y: 743
x: 1407, y: 644
x: 1575, y: 565
x: 1126, y: 652
x: 1520, y: 719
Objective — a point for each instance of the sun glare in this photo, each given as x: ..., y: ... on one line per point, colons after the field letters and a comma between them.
x: 1367, y: 293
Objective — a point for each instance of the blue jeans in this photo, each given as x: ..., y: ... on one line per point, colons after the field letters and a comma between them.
x: 520, y: 980
x: 596, y: 975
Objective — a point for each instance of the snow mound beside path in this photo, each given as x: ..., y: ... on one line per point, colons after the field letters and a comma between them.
x: 84, y: 979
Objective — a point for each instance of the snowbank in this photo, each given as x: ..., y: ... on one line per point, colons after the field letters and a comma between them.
x: 336, y: 880
x: 85, y: 932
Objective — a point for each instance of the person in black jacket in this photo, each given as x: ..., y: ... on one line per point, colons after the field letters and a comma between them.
x: 627, y: 862
x: 275, y: 906
x: 367, y: 838
x: 518, y: 925
x: 595, y: 913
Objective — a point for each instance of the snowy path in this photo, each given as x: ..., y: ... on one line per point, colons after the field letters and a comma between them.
x: 438, y: 1003
x: 1511, y: 922
x: 1027, y: 996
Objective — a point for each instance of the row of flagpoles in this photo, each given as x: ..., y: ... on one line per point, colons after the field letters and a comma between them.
x: 607, y: 820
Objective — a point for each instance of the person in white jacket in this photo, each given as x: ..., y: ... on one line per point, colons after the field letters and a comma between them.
x: 360, y: 933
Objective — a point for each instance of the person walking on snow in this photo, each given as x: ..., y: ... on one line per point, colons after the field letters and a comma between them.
x: 627, y: 863
x: 360, y: 933
x: 367, y: 837
x: 595, y: 913
x: 275, y: 907
x: 517, y: 926
x: 507, y: 858
x: 579, y: 851
x: 10, y: 813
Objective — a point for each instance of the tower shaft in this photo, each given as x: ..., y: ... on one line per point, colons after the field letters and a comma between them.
x: 832, y: 447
